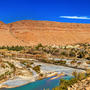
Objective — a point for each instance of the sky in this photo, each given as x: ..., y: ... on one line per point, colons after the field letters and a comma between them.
x: 69, y: 11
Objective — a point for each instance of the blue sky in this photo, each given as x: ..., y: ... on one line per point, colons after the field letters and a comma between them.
x: 73, y: 11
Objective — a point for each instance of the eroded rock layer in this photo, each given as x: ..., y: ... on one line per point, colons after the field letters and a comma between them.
x: 30, y: 32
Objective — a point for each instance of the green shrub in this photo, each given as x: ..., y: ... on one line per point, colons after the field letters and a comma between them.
x: 37, y: 69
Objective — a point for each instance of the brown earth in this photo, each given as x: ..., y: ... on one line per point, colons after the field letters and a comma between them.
x: 6, y: 38
x: 30, y: 32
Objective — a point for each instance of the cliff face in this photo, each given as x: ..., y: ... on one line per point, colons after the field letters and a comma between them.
x: 29, y: 32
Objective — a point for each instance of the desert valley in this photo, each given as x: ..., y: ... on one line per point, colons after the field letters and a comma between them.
x: 37, y: 54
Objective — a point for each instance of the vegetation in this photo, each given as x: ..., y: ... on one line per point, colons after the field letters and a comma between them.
x: 38, y: 46
x: 59, y: 51
x: 14, y: 48
x: 7, y: 73
x: 77, y: 77
x: 42, y: 53
x: 60, y: 62
x: 65, y: 83
x: 37, y: 68
x: 11, y: 65
x: 72, y: 54
x: 88, y: 72
x: 81, y: 54
x: 27, y: 63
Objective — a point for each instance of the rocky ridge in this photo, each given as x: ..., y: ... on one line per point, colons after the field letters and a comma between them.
x: 31, y: 32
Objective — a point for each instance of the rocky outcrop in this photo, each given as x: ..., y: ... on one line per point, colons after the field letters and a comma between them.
x: 81, y: 85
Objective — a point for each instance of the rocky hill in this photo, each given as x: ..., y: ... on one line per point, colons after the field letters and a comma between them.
x: 30, y: 32
x: 6, y: 38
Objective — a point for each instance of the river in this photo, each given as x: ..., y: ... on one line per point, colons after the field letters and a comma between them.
x: 41, y: 84
x: 46, y: 83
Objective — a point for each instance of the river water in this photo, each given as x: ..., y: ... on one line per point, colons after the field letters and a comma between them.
x: 41, y: 84
x: 47, y: 83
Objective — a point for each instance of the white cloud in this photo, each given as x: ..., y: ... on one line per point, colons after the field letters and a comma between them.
x: 75, y: 17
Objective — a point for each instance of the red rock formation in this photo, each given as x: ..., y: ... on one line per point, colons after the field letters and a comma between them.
x: 30, y: 32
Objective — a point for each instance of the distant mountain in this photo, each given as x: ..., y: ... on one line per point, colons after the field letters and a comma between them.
x: 31, y: 32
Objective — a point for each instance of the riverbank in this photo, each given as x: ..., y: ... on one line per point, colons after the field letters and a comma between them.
x: 16, y: 82
x: 24, y: 79
x: 47, y: 76
x: 58, y: 76
x: 46, y: 68
x: 58, y: 68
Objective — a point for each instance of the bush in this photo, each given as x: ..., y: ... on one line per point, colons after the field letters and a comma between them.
x: 63, y: 53
x: 88, y: 72
x: 81, y: 54
x: 39, y: 45
x: 81, y: 76
x: 75, y: 74
x: 37, y: 69
x: 72, y: 54
x: 61, y: 62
